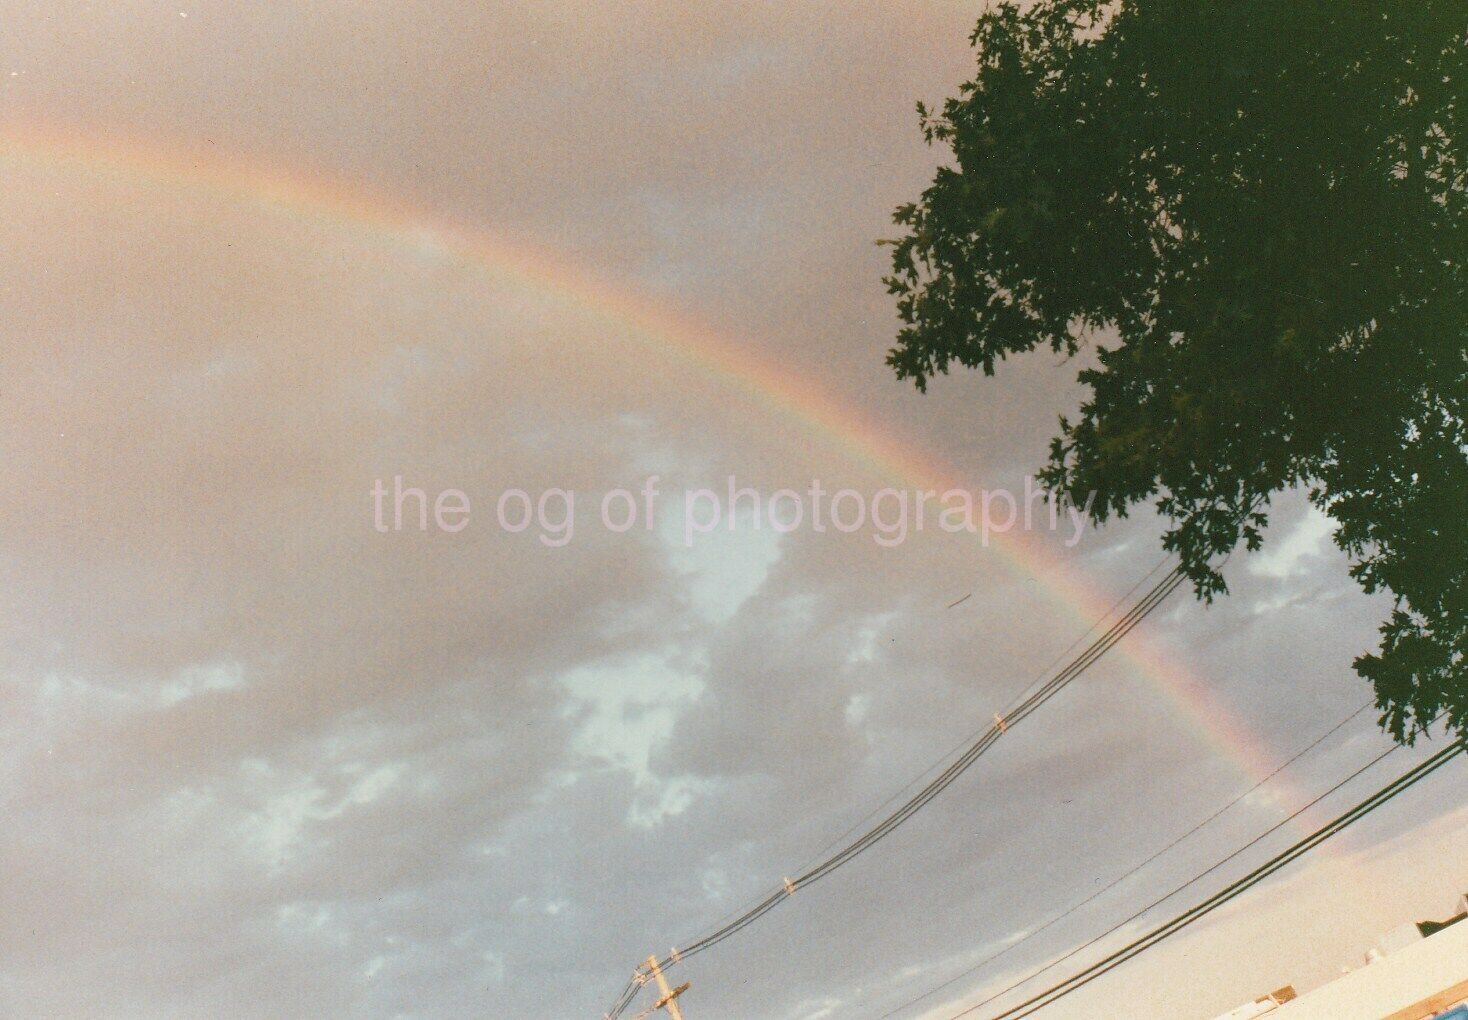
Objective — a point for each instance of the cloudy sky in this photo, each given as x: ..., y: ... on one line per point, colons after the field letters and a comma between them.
x: 259, y: 758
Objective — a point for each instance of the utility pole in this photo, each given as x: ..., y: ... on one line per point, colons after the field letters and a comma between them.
x: 668, y: 997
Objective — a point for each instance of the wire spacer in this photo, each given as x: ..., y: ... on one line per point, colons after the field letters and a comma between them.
x: 1000, y: 723
x: 789, y: 887
x: 676, y: 956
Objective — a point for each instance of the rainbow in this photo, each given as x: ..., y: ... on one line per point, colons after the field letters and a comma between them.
x: 802, y: 401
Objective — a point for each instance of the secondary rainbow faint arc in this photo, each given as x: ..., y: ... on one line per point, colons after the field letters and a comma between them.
x: 661, y: 328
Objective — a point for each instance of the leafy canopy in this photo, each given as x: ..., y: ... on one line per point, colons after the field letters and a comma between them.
x: 1254, y: 213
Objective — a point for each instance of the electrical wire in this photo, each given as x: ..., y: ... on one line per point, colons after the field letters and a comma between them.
x: 975, y: 734
x: 991, y: 736
x: 961, y: 765
x: 965, y: 742
x: 1004, y: 721
x: 1056, y: 919
x: 1320, y: 835
x: 1235, y: 889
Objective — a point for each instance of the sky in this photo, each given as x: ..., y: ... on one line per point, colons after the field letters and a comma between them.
x: 261, y: 757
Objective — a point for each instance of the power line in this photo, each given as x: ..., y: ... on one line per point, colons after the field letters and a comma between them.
x: 959, y: 766
x: 975, y: 734
x: 969, y: 739
x: 1196, y: 878
x: 1403, y: 782
x: 1003, y: 722
x: 1010, y: 947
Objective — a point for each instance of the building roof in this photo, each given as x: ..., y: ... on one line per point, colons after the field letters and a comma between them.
x: 1418, y: 981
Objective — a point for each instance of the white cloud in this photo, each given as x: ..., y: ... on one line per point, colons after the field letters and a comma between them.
x: 1290, y: 556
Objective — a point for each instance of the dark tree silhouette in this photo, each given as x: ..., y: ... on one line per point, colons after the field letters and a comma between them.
x: 1254, y: 213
